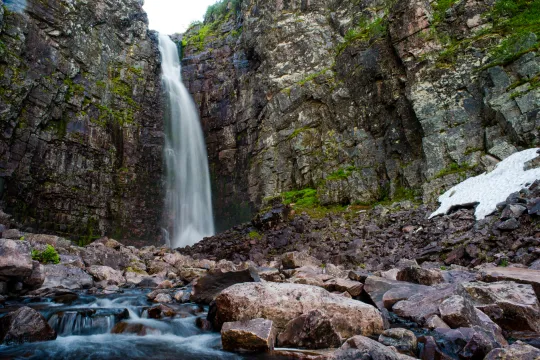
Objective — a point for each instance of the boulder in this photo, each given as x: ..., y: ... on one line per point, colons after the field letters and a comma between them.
x: 402, y: 339
x: 361, y: 347
x: 25, y: 325
x: 295, y: 259
x: 209, y: 286
x: 359, y: 275
x: 124, y: 327
x: 308, y: 275
x: 434, y: 322
x: 376, y: 287
x: 12, y: 234
x: 457, y: 312
x: 70, y: 277
x: 282, y: 302
x: 480, y: 344
x: 160, y: 311
x: 134, y: 278
x: 430, y: 350
x: 513, y: 306
x: 519, y: 275
x: 106, y: 275
x: 37, y: 278
x: 163, y: 298
x: 313, y: 330
x: 270, y: 274
x: 15, y: 258
x: 158, y: 267
x: 516, y: 351
x: 425, y: 304
x: 354, y: 288
x: 249, y: 335
x: 190, y: 274
x: 97, y: 253
x: 418, y: 275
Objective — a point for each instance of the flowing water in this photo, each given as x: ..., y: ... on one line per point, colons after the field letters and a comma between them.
x: 188, y: 201
x: 84, y: 331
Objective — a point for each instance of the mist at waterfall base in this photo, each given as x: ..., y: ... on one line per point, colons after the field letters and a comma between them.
x: 188, y: 200
x: 84, y: 331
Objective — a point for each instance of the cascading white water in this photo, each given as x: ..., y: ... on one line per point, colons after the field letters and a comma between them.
x: 188, y: 201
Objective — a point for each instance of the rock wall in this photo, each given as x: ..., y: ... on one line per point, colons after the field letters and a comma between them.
x: 361, y: 100
x: 80, y: 115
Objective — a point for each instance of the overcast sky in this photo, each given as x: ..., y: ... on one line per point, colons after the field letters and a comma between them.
x: 174, y: 16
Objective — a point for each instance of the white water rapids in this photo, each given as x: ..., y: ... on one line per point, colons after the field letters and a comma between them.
x: 188, y: 199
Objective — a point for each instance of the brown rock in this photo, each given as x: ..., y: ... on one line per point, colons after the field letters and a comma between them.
x: 516, y: 351
x: 457, y: 312
x: 160, y: 311
x: 281, y: 302
x: 15, y: 258
x: 209, y: 286
x: 249, y: 335
x: 361, y: 347
x: 354, y: 288
x: 295, y: 259
x: 418, y: 275
x: 434, y: 322
x: 24, y: 325
x: 313, y: 330
x: 519, y: 275
x: 134, y: 328
x: 402, y: 339
x: 376, y: 287
x: 423, y: 305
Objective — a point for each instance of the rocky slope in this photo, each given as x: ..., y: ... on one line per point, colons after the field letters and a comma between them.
x: 360, y: 100
x: 80, y: 115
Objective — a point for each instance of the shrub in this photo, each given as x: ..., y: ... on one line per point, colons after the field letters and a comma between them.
x: 47, y: 256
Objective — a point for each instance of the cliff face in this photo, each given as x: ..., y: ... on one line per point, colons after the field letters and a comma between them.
x: 80, y: 115
x: 361, y: 100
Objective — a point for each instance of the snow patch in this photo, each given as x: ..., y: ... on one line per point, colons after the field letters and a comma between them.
x: 489, y: 189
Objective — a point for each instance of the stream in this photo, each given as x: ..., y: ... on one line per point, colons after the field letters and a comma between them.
x: 84, y: 327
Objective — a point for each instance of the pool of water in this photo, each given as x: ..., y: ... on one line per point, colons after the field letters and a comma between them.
x: 84, y: 329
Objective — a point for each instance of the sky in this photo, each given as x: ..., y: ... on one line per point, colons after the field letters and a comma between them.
x: 174, y: 16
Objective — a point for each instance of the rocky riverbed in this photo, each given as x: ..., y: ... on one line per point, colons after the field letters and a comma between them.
x: 381, y: 283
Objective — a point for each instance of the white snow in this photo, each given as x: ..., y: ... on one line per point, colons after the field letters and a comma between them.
x: 489, y: 189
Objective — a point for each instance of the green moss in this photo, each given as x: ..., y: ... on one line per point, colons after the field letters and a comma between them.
x: 254, y: 235
x: 304, y: 197
x: 47, y: 256
x: 341, y: 174
x: 297, y: 132
x: 440, y: 8
x: 454, y: 168
x: 312, y: 76
x: 365, y: 30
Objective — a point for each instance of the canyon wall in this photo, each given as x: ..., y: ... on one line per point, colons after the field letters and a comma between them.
x: 362, y: 101
x: 81, y: 120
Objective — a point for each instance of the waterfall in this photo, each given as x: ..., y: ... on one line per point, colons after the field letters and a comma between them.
x: 188, y: 200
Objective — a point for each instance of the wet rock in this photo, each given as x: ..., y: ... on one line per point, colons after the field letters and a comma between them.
x: 402, y: 339
x: 150, y: 281
x: 295, y: 259
x: 182, y: 296
x: 24, y: 325
x: 124, y: 327
x: 361, y: 347
x: 511, y: 305
x: 430, y: 349
x: 423, y: 305
x: 418, y: 275
x: 516, y: 351
x: 15, y: 258
x: 248, y: 335
x: 165, y: 284
x: 163, y: 298
x: 160, y: 311
x: 209, y: 286
x: 519, y: 275
x: 480, y: 344
x: 70, y: 277
x: 281, y: 302
x: 203, y: 324
x: 457, y: 312
x: 313, y: 330
x: 106, y: 275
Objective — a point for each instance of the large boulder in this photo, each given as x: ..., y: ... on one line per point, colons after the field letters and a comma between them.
x: 516, y: 351
x: 512, y: 306
x: 313, y: 330
x: 209, y: 286
x: 519, y: 275
x: 295, y: 259
x: 423, y: 305
x: 307, y: 275
x: 282, y: 302
x: 37, y: 277
x: 70, y: 277
x: 25, y: 325
x: 250, y: 335
x: 458, y: 311
x: 354, y: 288
x: 98, y: 253
x: 376, y: 287
x: 106, y: 275
x: 15, y: 258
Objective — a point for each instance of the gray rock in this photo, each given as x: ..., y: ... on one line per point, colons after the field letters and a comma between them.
x: 457, y: 312
x: 516, y: 351
x: 402, y: 339
x: 509, y: 225
x: 418, y: 275
x: 313, y: 330
x: 24, y: 325
x: 209, y: 286
x: 15, y: 258
x: 70, y: 277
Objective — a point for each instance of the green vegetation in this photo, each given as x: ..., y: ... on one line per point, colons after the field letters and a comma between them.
x: 220, y: 9
x: 341, y: 174
x: 504, y: 263
x: 312, y: 76
x: 305, y: 197
x: 47, y: 256
x: 454, y: 168
x: 440, y: 8
x: 254, y: 235
x: 365, y: 30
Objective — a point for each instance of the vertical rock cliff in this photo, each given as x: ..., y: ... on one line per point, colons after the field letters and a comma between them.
x: 360, y: 101
x: 80, y: 114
